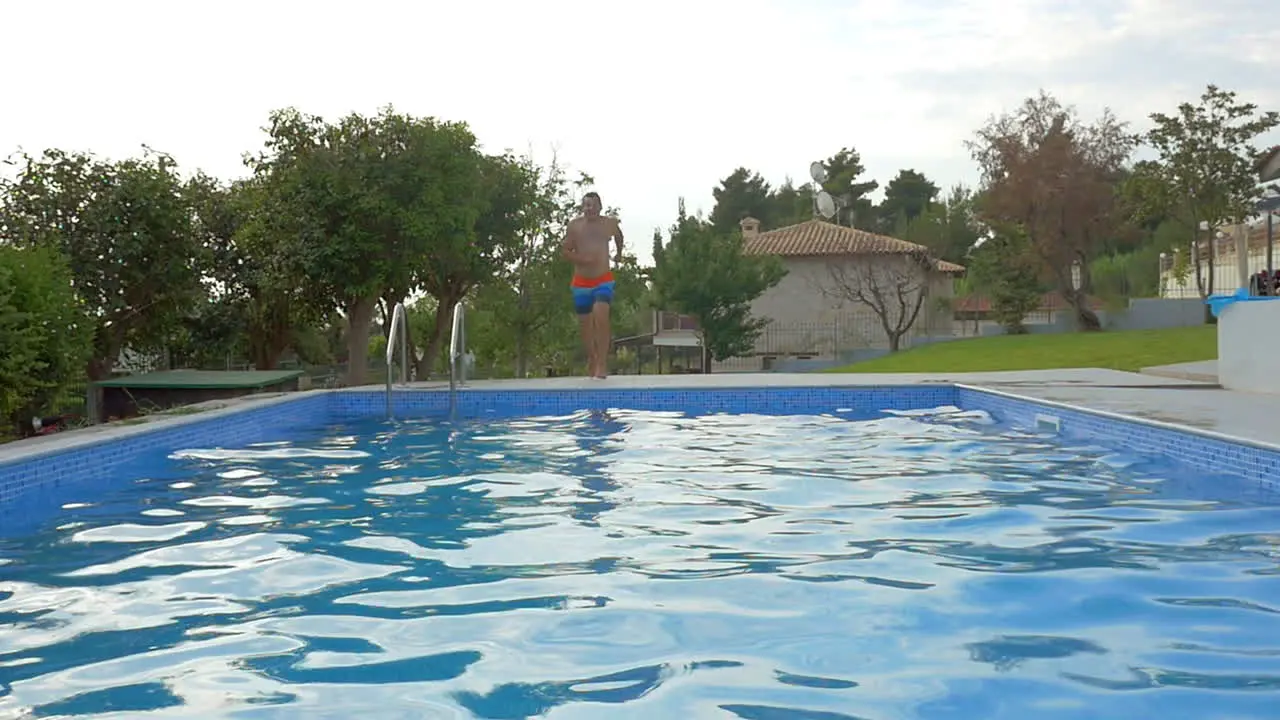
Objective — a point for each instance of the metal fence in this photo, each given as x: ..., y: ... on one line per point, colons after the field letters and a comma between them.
x: 837, y: 340
x: 1219, y: 268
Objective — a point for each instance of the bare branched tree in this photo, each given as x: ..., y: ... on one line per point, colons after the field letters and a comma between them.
x: 894, y: 287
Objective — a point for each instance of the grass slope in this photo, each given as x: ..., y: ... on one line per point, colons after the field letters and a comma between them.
x: 1130, y: 350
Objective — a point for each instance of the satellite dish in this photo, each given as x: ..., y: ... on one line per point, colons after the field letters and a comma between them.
x: 818, y: 172
x: 826, y: 205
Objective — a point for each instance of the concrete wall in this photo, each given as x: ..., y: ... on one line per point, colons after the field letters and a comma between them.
x: 1157, y: 314
x: 1248, y: 346
x: 1142, y: 314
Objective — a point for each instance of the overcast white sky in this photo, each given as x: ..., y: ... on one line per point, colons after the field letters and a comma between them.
x: 656, y: 99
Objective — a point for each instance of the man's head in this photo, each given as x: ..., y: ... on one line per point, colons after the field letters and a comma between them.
x: 591, y: 204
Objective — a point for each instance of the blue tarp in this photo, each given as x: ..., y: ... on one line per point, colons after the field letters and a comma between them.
x: 1218, y: 303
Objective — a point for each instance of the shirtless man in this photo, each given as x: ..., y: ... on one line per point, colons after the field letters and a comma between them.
x: 586, y: 245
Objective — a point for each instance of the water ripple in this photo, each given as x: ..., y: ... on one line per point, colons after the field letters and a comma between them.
x: 923, y: 564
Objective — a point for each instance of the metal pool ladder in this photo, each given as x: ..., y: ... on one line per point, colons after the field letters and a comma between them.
x: 457, y: 356
x: 399, y: 331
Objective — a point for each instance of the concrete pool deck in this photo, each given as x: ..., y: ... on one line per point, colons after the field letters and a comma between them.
x: 1205, y: 371
x: 1184, y: 402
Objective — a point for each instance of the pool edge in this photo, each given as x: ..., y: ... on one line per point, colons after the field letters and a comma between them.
x: 42, y: 466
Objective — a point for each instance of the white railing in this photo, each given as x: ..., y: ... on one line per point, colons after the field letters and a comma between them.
x: 457, y: 355
x: 399, y: 331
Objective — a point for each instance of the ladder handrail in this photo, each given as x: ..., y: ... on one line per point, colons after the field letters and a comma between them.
x: 399, y: 329
x: 457, y: 349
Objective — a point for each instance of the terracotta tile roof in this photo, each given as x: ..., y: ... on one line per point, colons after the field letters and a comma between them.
x: 817, y: 238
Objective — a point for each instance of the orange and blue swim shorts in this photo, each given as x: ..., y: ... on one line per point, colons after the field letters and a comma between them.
x: 589, y: 291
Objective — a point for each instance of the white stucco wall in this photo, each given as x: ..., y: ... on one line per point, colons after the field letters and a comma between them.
x: 805, y: 297
x: 1249, y: 345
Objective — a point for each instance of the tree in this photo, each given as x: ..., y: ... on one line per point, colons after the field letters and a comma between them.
x: 947, y: 228
x: 370, y: 207
x: 1004, y: 268
x: 259, y: 291
x: 126, y: 229
x: 46, y: 336
x: 706, y: 275
x: 961, y: 225
x: 791, y: 205
x: 1205, y: 167
x: 530, y: 293
x: 893, y: 287
x: 843, y: 170
x: 1056, y: 177
x: 908, y: 195
x: 743, y: 193
x: 472, y: 255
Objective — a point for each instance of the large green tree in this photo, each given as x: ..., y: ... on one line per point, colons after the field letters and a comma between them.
x: 792, y: 204
x: 705, y: 274
x: 741, y: 194
x: 468, y: 255
x: 1205, y: 167
x: 127, y: 230
x: 844, y: 183
x: 525, y: 302
x: 45, y: 337
x: 213, y: 328
x: 257, y: 304
x: 1004, y: 268
x: 962, y: 229
x: 367, y: 208
x: 906, y: 197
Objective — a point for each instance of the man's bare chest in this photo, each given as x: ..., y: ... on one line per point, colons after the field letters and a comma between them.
x: 596, y: 233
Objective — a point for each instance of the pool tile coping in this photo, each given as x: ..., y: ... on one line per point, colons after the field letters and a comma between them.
x: 1251, y: 459
x: 86, y: 437
x: 1122, y: 418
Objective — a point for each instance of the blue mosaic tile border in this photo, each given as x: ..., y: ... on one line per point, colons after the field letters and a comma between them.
x: 1184, y: 446
x: 472, y: 403
x: 48, y: 478
x: 43, y: 479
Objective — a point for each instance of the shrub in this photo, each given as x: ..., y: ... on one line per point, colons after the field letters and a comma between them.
x: 45, y: 336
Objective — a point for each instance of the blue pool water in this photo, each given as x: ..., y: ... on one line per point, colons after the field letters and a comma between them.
x: 650, y: 565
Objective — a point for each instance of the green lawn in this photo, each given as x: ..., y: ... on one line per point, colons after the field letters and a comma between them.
x: 1130, y: 350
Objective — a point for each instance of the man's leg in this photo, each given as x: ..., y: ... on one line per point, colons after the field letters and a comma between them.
x: 588, y: 322
x: 582, y: 302
x: 603, y: 336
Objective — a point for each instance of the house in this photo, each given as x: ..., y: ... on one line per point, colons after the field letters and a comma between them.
x: 1269, y: 165
x: 815, y: 312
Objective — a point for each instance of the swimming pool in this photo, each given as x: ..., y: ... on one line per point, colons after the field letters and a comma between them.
x: 793, y: 553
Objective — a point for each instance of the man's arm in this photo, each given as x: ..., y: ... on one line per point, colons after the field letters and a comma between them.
x: 569, y: 246
x: 617, y: 239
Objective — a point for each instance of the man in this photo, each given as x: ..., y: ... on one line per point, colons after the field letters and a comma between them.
x: 586, y: 245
